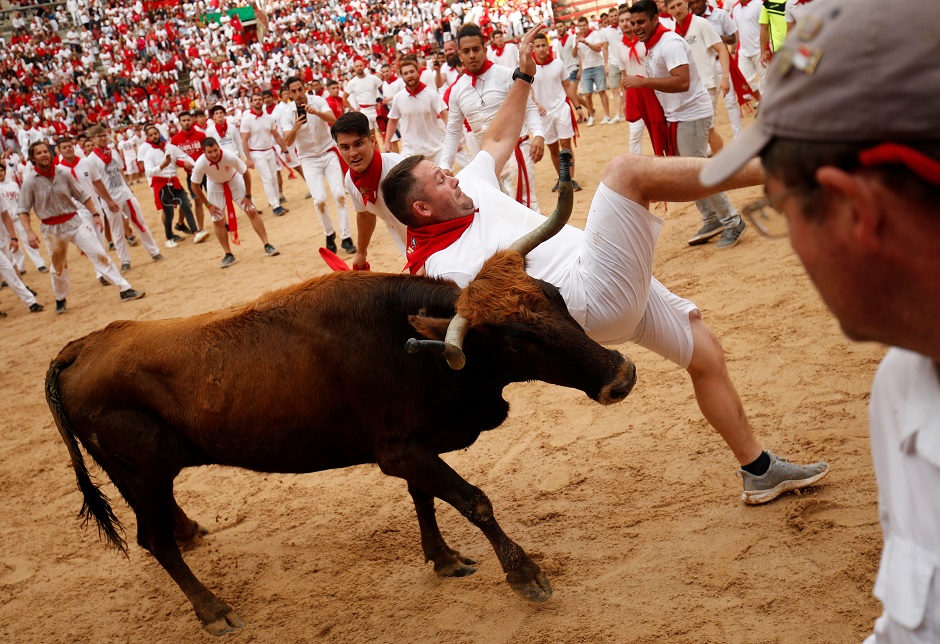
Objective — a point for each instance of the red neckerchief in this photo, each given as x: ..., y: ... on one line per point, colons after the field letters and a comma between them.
x: 392, y: 79
x: 631, y: 43
x: 258, y: 113
x: 547, y: 62
x: 665, y: 16
x: 486, y: 66
x: 221, y: 128
x: 368, y: 181
x: 564, y: 39
x: 420, y: 88
x: 104, y: 155
x: 48, y: 174
x: 427, y: 240
x: 498, y: 50
x: 651, y: 42
x: 158, y: 146
x: 70, y: 166
x: 270, y: 108
x: 682, y: 28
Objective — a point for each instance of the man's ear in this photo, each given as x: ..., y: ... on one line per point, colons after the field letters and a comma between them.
x: 422, y: 209
x: 861, y: 195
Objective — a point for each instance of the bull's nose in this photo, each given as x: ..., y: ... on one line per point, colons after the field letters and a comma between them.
x: 621, y: 386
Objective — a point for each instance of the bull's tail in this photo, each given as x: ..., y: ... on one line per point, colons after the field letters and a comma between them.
x: 95, y: 504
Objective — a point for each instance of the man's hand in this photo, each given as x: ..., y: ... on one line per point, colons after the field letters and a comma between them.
x: 725, y: 86
x: 765, y: 57
x: 247, y: 205
x: 32, y: 239
x: 96, y: 221
x: 112, y: 205
x: 249, y: 162
x: 537, y: 149
x: 215, y: 212
x: 14, y: 245
x: 632, y: 81
x: 542, y: 110
x: 526, y: 48
x: 359, y: 262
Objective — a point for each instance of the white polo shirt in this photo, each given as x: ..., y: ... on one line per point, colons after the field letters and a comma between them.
x: 422, y: 132
x: 396, y: 229
x: 670, y: 52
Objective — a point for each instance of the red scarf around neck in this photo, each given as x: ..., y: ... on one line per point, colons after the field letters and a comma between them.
x: 70, y: 164
x: 104, y: 155
x: 659, y: 33
x: 368, y: 181
x: 270, y: 108
x: 486, y: 66
x: 392, y: 79
x: 158, y: 146
x: 631, y: 43
x: 564, y: 39
x: 48, y: 174
x: 548, y: 61
x: 418, y: 89
x: 258, y: 113
x: 221, y: 128
x: 498, y: 50
x: 427, y: 240
x: 682, y: 28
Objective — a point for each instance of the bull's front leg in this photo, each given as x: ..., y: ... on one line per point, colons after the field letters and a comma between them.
x: 427, y: 472
x: 447, y: 561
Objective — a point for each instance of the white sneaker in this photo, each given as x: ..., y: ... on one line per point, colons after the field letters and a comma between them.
x: 170, y: 243
x: 200, y: 236
x: 606, y: 120
x: 617, y: 119
x: 590, y: 121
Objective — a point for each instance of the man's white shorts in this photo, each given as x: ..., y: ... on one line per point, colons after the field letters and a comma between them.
x: 557, y: 124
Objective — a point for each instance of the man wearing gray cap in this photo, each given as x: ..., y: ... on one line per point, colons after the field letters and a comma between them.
x: 849, y: 135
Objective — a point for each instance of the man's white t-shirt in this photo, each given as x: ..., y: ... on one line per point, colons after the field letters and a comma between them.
x: 548, y: 89
x: 396, y: 229
x: 111, y: 175
x: 313, y: 140
x: 259, y: 130
x: 631, y: 64
x: 589, y: 57
x: 229, y: 167
x: 691, y: 105
x: 364, y: 92
x: 700, y: 36
x: 422, y: 132
x: 232, y: 141
x: 747, y: 17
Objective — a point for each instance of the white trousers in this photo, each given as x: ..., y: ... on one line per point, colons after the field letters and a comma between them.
x: 129, y: 209
x: 83, y: 236
x: 752, y: 70
x: 11, y: 276
x: 315, y: 171
x: 636, y: 137
x: 24, y: 250
x: 266, y: 164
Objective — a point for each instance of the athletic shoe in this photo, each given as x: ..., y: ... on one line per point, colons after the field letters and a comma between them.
x: 555, y: 187
x: 178, y: 239
x: 617, y: 119
x: 331, y: 243
x: 131, y: 294
x: 158, y: 257
x: 35, y: 307
x: 280, y: 210
x: 270, y: 250
x: 606, y: 120
x: 43, y: 269
x: 781, y: 477
x: 132, y: 240
x: 348, y: 246
x: 282, y: 199
x: 60, y: 306
x: 182, y: 228
x: 590, y: 121
x: 172, y: 243
x: 731, y: 236
x: 103, y: 281
x: 200, y: 236
x: 706, y: 232
x: 125, y: 267
x: 228, y: 260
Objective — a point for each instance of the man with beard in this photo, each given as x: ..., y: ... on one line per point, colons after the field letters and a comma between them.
x: 189, y: 140
x: 418, y: 110
x: 161, y: 160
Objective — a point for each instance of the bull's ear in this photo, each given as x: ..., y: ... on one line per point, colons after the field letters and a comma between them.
x: 430, y: 328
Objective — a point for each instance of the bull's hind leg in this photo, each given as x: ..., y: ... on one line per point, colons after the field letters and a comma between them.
x: 156, y: 510
x: 185, y: 530
x: 426, y: 471
x: 447, y: 562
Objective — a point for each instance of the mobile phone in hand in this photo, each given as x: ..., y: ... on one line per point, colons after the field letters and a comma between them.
x: 301, y: 111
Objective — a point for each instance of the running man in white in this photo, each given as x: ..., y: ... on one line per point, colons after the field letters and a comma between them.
x: 259, y: 135
x: 551, y: 101
x: 7, y: 270
x: 49, y: 192
x: 10, y: 193
x: 228, y: 183
x: 109, y: 183
x: 419, y: 111
x: 307, y: 127
x: 363, y: 91
x: 81, y: 170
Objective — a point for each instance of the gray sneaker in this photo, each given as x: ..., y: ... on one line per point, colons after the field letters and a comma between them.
x: 706, y: 232
x: 228, y: 260
x: 731, y: 236
x: 781, y: 477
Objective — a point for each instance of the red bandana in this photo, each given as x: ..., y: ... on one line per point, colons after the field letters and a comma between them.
x: 631, y: 43
x: 368, y: 181
x: 498, y: 50
x: 427, y: 240
x: 564, y: 39
x: 221, y: 128
x: 548, y: 61
x: 158, y: 146
x: 392, y: 79
x: 258, y: 113
x: 651, y: 42
x: 665, y: 16
x: 70, y: 165
x: 48, y: 174
x: 270, y: 108
x: 104, y: 155
x: 486, y: 65
x: 682, y: 28
x: 420, y: 88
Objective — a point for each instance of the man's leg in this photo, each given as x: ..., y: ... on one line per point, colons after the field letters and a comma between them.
x: 334, y: 179
x: 313, y: 175
x: 636, y: 137
x: 267, y: 172
x: 11, y: 276
x: 136, y: 216
x: 692, y: 141
x: 186, y: 208
x: 116, y: 219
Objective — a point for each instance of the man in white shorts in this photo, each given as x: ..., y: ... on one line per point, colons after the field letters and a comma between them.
x: 367, y: 168
x: 105, y: 174
x: 593, y: 68
x: 49, y: 192
x: 419, y: 111
x: 604, y: 272
x: 227, y: 183
x: 551, y: 101
x: 259, y: 135
x: 319, y: 158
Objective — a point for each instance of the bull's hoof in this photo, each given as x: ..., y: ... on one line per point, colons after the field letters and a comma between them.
x: 534, y: 590
x: 225, y: 624
x: 192, y: 537
x: 459, y: 568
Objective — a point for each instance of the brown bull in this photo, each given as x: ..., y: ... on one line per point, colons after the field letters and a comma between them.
x: 266, y: 387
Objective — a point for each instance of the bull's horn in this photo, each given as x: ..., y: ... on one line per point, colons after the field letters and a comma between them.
x: 450, y: 348
x: 558, y: 218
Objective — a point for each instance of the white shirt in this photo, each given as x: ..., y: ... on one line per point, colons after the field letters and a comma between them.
x: 396, y: 229
x: 905, y: 445
x: 478, y: 105
x: 746, y: 18
x: 153, y: 158
x: 670, y: 52
x: 364, y: 92
x: 700, y: 36
x: 111, y: 175
x: 612, y: 35
x: 229, y: 167
x: 390, y: 89
x: 566, y: 51
x: 500, y: 222
x: 589, y: 57
x: 232, y: 141
x: 259, y: 130
x: 794, y: 11
x: 548, y: 88
x: 129, y: 148
x: 422, y: 132
x: 509, y: 58
x: 10, y: 193
x: 313, y: 140
x: 631, y: 65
